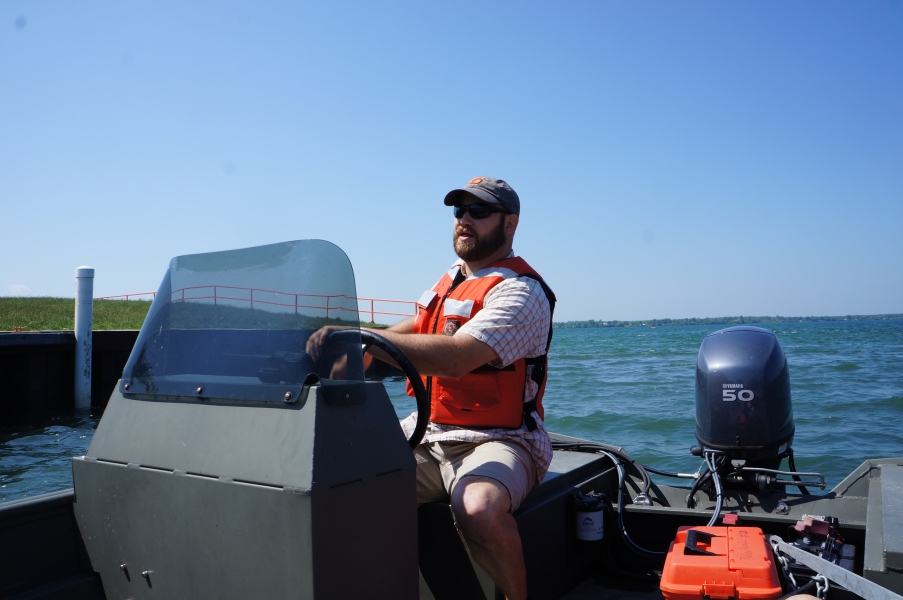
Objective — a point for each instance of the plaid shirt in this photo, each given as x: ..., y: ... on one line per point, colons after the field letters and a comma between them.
x: 514, y: 321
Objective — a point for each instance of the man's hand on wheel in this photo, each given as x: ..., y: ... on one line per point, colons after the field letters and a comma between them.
x: 317, y: 341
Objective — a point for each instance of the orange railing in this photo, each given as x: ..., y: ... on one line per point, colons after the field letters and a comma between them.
x: 127, y: 296
x: 378, y: 312
x: 225, y: 292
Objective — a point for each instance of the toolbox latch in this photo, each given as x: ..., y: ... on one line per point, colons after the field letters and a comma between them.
x: 719, y: 591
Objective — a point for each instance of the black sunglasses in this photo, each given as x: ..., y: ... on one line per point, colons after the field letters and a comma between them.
x: 477, y: 211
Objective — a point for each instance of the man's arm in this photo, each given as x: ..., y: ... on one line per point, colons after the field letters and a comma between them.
x: 442, y: 355
x: 406, y: 326
x: 437, y: 355
x: 403, y: 327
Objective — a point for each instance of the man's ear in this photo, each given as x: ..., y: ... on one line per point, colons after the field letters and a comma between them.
x: 511, y: 222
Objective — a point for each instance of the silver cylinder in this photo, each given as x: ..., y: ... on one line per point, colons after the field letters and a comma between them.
x: 84, y: 316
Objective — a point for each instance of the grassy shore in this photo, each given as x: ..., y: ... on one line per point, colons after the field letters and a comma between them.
x: 58, y: 314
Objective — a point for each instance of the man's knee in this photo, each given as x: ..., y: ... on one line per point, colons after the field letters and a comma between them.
x: 479, y: 503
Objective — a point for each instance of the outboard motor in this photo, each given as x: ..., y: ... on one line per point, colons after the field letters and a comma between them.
x: 744, y: 416
x: 743, y: 407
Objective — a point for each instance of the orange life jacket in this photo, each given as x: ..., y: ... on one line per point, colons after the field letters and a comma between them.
x: 487, y: 396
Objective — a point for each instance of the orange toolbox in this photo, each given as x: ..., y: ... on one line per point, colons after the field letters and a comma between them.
x: 720, y: 563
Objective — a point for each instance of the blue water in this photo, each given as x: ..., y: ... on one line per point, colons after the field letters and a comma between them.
x: 35, y: 461
x: 634, y: 388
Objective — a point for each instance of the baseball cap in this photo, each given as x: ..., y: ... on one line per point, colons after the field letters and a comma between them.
x: 487, y: 189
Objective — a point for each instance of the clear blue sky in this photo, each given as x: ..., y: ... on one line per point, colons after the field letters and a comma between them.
x: 673, y: 159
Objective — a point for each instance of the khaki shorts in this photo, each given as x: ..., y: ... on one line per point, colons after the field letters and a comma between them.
x: 441, y: 465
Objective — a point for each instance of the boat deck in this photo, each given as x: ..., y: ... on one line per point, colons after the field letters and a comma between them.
x: 42, y: 551
x: 614, y: 590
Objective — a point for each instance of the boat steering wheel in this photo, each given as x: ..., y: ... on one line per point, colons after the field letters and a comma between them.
x: 368, y: 338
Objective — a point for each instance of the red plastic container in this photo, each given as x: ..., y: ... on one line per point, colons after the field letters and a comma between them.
x: 720, y: 563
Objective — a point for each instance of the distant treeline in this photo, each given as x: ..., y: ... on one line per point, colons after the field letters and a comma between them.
x: 720, y: 321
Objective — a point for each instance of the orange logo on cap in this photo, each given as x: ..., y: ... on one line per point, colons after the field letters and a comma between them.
x: 475, y: 180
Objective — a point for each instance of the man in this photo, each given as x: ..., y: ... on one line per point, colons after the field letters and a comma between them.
x: 480, y: 338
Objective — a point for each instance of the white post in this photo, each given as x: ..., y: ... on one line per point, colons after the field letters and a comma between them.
x: 84, y: 315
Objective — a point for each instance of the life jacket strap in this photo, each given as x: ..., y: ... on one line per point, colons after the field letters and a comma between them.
x: 539, y: 364
x: 529, y: 407
x: 538, y: 376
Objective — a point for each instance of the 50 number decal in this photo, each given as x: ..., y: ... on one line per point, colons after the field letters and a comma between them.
x: 742, y: 395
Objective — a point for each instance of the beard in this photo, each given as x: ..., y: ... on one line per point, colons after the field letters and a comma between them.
x: 479, y: 248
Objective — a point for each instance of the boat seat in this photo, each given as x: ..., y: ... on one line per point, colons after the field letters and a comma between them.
x: 554, y: 560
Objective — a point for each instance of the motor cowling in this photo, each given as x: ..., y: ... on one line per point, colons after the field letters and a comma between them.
x: 743, y: 406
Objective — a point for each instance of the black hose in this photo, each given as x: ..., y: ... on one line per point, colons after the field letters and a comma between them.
x: 703, y: 477
x: 616, y: 456
x: 716, y: 479
x: 596, y: 447
x: 621, y: 526
x: 662, y: 473
x: 803, y: 489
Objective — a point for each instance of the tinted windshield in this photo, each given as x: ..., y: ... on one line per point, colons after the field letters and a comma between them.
x: 234, y: 324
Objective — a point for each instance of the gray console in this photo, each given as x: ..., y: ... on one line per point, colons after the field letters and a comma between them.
x: 218, y: 499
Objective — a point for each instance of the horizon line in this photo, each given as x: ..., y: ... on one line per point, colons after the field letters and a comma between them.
x: 741, y: 320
